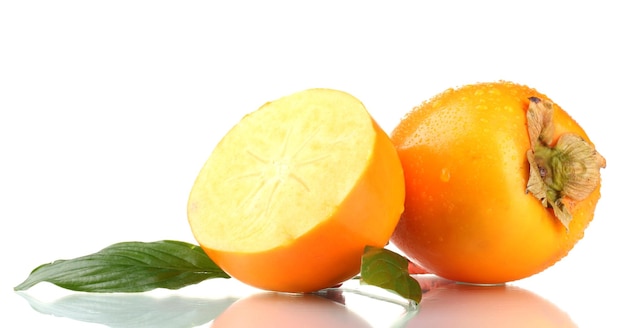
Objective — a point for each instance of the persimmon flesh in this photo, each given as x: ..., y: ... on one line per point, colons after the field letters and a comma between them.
x: 293, y: 193
x: 471, y: 214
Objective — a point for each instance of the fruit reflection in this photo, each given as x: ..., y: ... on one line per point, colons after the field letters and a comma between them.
x: 448, y: 304
x: 276, y: 310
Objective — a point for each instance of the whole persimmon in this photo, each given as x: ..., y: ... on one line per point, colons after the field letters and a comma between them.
x: 500, y: 183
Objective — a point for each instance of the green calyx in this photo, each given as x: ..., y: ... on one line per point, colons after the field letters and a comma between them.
x: 560, y: 174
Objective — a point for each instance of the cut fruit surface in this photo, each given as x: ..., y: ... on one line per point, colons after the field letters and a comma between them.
x: 304, y: 182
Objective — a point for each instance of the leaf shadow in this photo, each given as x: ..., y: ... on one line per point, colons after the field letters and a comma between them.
x: 132, y: 310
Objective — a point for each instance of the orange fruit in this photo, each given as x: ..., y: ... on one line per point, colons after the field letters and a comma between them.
x: 473, y: 211
x: 293, y: 193
x: 276, y: 310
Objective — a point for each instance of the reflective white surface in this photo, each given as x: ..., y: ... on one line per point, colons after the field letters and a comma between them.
x: 109, y: 109
x: 228, y: 303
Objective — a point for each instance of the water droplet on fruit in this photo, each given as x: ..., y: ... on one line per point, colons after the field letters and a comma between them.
x: 445, y: 175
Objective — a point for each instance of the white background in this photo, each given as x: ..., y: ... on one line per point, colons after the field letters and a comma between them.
x: 108, y: 109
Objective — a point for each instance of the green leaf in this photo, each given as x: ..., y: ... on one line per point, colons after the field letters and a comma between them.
x: 130, y: 267
x: 385, y: 269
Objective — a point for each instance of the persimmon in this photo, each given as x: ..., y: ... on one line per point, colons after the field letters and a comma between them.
x: 292, y: 194
x: 500, y: 183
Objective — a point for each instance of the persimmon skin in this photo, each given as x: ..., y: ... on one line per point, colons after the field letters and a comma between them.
x: 467, y: 214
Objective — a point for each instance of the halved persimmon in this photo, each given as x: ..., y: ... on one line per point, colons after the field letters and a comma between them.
x: 293, y: 193
x: 500, y: 183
